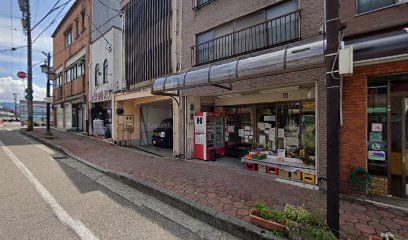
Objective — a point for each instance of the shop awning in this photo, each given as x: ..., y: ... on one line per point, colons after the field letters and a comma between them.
x: 292, y: 58
x: 380, y: 46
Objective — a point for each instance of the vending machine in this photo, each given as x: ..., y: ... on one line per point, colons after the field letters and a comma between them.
x: 209, y: 135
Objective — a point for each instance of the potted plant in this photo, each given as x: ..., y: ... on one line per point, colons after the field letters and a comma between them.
x: 271, y: 220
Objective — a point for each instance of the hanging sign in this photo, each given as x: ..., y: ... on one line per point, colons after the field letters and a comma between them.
x: 376, y: 127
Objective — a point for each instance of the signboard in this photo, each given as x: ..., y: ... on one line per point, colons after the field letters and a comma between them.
x: 376, y: 127
x: 100, y: 96
x: 376, y: 155
x: 21, y: 74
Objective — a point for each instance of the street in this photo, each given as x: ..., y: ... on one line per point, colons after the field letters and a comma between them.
x: 44, y: 196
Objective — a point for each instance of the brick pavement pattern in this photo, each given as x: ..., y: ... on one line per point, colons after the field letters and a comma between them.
x: 229, y: 190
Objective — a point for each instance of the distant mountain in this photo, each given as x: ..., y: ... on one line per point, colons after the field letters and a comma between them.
x: 7, y: 105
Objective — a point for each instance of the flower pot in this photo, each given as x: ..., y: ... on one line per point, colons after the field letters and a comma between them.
x: 265, y: 223
x: 374, y: 238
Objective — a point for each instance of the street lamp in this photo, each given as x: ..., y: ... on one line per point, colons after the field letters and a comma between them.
x: 45, y: 68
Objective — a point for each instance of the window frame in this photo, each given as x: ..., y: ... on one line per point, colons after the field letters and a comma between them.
x: 105, y: 71
x: 83, y: 20
x: 77, y: 27
x: 197, y: 6
x: 357, y: 13
x: 68, y: 36
x: 97, y: 69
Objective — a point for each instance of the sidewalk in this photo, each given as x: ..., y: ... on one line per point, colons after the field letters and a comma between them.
x: 231, y: 191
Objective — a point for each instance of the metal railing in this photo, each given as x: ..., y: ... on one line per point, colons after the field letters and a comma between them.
x: 268, y: 34
x: 197, y: 4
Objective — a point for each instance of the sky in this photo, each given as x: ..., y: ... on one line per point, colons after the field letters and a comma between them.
x: 12, y: 35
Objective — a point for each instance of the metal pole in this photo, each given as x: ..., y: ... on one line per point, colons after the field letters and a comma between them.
x: 48, y: 133
x: 29, y: 70
x: 333, y: 116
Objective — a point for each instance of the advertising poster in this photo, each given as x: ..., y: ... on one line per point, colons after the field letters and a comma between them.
x: 376, y: 155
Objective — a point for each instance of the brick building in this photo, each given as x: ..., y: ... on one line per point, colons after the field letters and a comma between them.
x: 373, y: 135
x: 71, y: 54
x: 261, y: 66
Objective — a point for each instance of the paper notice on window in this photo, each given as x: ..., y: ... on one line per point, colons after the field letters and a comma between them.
x: 268, y: 125
x: 250, y: 137
x: 231, y: 129
x: 261, y: 139
x: 246, y: 140
x: 241, y: 132
x: 272, y: 134
x: 261, y: 126
x: 200, y: 139
x: 269, y: 118
x: 266, y: 132
x: 247, y: 133
x: 281, y: 152
x: 247, y: 128
x: 376, y: 127
x: 281, y: 133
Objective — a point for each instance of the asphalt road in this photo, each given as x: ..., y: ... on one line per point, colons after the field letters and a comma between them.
x: 47, y: 195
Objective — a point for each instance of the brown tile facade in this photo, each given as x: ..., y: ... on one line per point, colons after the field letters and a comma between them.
x: 80, y: 11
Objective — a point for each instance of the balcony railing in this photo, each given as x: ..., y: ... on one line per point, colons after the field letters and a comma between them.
x: 57, y: 94
x: 197, y: 4
x: 271, y: 33
x: 74, y: 87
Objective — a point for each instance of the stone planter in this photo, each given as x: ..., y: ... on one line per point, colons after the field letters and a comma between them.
x: 265, y: 223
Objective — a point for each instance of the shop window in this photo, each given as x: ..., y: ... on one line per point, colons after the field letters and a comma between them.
x: 377, y: 152
x: 371, y: 5
x: 266, y: 123
x: 308, y: 129
x: 289, y: 128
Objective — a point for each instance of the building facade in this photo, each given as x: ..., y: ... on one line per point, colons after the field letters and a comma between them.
x: 71, y: 56
x: 261, y: 66
x: 374, y: 98
x: 105, y: 69
x: 151, y: 38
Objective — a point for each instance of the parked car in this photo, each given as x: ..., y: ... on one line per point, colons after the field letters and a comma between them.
x: 163, y: 135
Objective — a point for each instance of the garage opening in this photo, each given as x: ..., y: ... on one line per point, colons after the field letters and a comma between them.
x: 156, y: 130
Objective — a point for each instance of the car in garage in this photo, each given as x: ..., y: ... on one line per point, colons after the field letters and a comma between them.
x: 163, y: 135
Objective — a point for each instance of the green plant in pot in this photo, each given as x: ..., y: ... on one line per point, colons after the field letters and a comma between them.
x: 271, y: 220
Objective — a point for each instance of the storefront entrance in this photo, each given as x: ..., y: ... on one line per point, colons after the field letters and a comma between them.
x: 388, y: 149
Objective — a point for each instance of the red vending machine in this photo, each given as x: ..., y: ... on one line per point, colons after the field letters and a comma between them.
x: 209, y: 135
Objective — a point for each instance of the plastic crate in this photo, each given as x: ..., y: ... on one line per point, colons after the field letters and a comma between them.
x: 296, y: 175
x: 251, y: 166
x: 308, y: 178
x: 283, y: 173
x: 272, y: 170
x: 262, y: 168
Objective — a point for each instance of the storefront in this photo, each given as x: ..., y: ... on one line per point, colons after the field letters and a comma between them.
x: 273, y: 107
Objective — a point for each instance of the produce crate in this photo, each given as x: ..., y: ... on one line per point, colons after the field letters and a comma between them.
x: 251, y: 166
x: 272, y: 170
x: 296, y: 175
x: 283, y: 173
x: 308, y: 178
x: 262, y: 168
x: 259, y: 156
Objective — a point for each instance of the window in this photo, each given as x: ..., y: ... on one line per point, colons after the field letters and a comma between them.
x: 68, y: 37
x: 201, y: 3
x: 273, y: 26
x: 370, y: 5
x: 57, y: 82
x: 105, y: 71
x: 68, y: 75
x: 77, y: 27
x: 96, y: 74
x: 83, y: 19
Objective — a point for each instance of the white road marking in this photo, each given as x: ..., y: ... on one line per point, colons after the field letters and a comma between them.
x: 80, y: 229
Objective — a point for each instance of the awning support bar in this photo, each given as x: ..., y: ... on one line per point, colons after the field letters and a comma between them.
x: 223, y: 87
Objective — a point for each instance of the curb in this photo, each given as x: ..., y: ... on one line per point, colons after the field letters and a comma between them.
x: 232, y: 225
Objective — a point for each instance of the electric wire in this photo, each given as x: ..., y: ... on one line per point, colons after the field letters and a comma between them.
x: 54, y: 8
x: 103, y: 4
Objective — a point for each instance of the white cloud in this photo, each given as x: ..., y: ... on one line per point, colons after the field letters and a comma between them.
x: 8, y: 86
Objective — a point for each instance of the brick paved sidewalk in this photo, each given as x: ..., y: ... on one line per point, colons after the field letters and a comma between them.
x: 232, y: 191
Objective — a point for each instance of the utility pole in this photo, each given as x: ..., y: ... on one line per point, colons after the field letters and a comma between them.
x: 333, y: 115
x: 46, y: 68
x: 26, y: 21
x: 15, y: 105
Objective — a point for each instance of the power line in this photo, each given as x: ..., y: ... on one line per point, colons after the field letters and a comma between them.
x: 108, y: 45
x: 113, y: 9
x: 50, y: 24
x: 54, y: 8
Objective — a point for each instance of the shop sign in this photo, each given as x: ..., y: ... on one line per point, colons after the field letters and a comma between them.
x: 99, y: 96
x: 376, y: 155
x: 376, y: 127
x: 376, y: 146
x: 308, y: 105
x: 375, y: 136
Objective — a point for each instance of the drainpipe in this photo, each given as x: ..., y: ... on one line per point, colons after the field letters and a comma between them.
x: 333, y: 115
